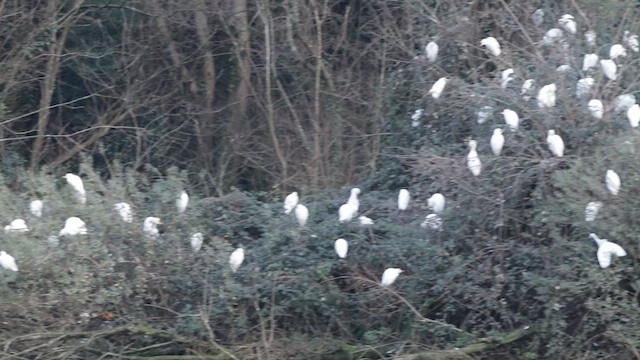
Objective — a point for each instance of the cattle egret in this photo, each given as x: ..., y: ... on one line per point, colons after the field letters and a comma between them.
x: 631, y: 41
x: 432, y: 221
x: 182, y: 202
x: 437, y: 202
x: 609, y: 68
x: 526, y: 88
x: 547, y: 96
x: 432, y: 51
x: 590, y: 37
x: 612, y: 180
x: 196, y: 241
x: 389, y: 276
x: 568, y: 23
x: 484, y: 114
x: 497, y: 142
x: 73, y: 226
x: 623, y: 102
x: 556, y: 145
x: 616, y: 51
x: 591, y: 211
x: 537, y: 17
x: 583, y: 88
x: 492, y: 45
x: 506, y: 77
x: 403, y: 199
x: 633, y: 114
x: 511, y: 119
x: 589, y: 61
x: 596, y: 108
x: 76, y: 183
x: 341, y: 247
x: 150, y: 226
x: 415, y: 118
x: 552, y: 36
x: 563, y: 68
x: 302, y: 214
x: 438, y: 87
x: 236, y: 259
x: 35, y: 207
x: 8, y: 262
x: 124, y: 210
x: 349, y: 210
x: 17, y: 225
x: 365, y: 221
x: 606, y: 250
x: 473, y: 160
x: 290, y: 202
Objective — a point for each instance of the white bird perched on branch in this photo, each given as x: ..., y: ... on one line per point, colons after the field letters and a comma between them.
x: 589, y: 61
x: 497, y: 142
x: 17, y: 225
x: 556, y: 145
x: 583, y: 88
x: 35, y: 207
x: 365, y: 221
x: 633, y: 114
x: 526, y: 88
x: 182, y: 202
x: 389, y: 276
x: 567, y: 22
x: 631, y: 41
x: 437, y: 202
x: 196, y: 241
x: 431, y: 50
x: 76, y: 183
x: 73, y: 226
x: 609, y: 68
x: 506, y: 76
x: 438, y: 87
x: 349, y: 210
x: 590, y: 38
x: 591, y: 211
x: 403, y: 199
x: 473, y: 160
x: 547, y: 96
x: 552, y: 36
x: 492, y: 45
x: 623, y: 102
x: 596, y: 108
x: 341, y: 246
x: 150, y: 226
x: 511, y: 119
x: 302, y: 214
x: 290, y: 202
x: 612, y: 180
x: 606, y: 250
x: 616, y: 51
x: 236, y: 258
x: 8, y: 262
x: 124, y: 210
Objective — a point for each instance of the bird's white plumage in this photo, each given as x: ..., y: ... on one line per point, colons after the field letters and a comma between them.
x: 8, y: 262
x: 484, y: 113
x: 389, y: 276
x: 438, y: 87
x: 591, y: 210
x: 150, y: 226
x: 349, y: 210
x: 623, y: 102
x: 537, y: 17
x: 236, y: 258
x: 492, y: 45
x: 547, y: 96
x: 302, y: 214
x: 552, y: 36
x: 73, y: 226
x: 596, y: 108
x: 17, y: 225
x: 35, y: 207
x: 589, y: 61
x: 497, y: 142
x: 633, y: 115
x: 182, y: 202
x: 437, y: 202
x: 590, y: 38
x: 415, y: 118
x: 196, y: 241
x: 341, y: 246
x: 511, y: 118
x: 584, y: 86
x: 403, y: 199
x: 607, y: 250
x: 473, y: 160
x: 616, y: 51
x: 568, y: 23
x: 564, y: 68
x: 505, y: 77
x: 76, y: 183
x: 525, y: 90
x: 124, y: 210
x: 556, y: 145
x: 612, y: 180
x: 431, y: 50
x: 432, y: 221
x: 609, y: 68
x: 290, y: 202
x: 365, y: 221
x: 631, y: 41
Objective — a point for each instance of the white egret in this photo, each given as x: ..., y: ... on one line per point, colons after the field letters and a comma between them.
x: 290, y: 202
x: 631, y: 41
x: 589, y: 61
x: 302, y: 214
x: 583, y: 88
x: 365, y: 221
x: 556, y: 145
x: 236, y: 258
x: 196, y: 241
x: 341, y: 246
x: 506, y: 77
x: 35, y: 207
x: 596, y: 108
x: 511, y: 119
x: 8, y: 262
x: 437, y: 202
x: 150, y: 226
x: 432, y: 221
x: 73, y: 226
x: 623, y: 102
x: 17, y: 225
x: 492, y: 45
x: 473, y: 160
x: 124, y: 210
x: 76, y: 183
x: 497, y: 142
x: 526, y: 88
x: 403, y: 199
x: 609, y: 68
x: 568, y: 23
x: 547, y: 96
x: 537, y: 17
x: 432, y: 51
x: 616, y: 51
x: 590, y: 37
x: 182, y: 202
x: 389, y: 276
x: 591, y: 211
x: 612, y: 180
x: 606, y: 250
x: 349, y: 210
x: 633, y: 114
x: 484, y: 114
x: 565, y: 68
x: 552, y: 36
x: 438, y: 87
x: 415, y: 118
